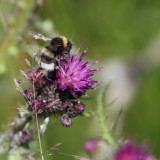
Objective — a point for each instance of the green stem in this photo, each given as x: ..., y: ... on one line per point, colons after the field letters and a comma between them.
x: 39, y: 137
x: 105, y: 131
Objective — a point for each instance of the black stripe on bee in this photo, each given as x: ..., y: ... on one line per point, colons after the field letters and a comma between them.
x: 59, y: 48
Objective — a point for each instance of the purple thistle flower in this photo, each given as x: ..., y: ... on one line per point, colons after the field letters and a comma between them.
x: 129, y: 151
x: 27, y: 135
x: 52, y: 92
x: 90, y: 146
x: 75, y: 75
x: 22, y: 137
x: 98, y: 149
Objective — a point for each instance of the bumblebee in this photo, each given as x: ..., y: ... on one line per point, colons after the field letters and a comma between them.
x: 50, y: 56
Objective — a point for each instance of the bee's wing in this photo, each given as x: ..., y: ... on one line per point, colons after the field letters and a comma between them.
x: 40, y: 36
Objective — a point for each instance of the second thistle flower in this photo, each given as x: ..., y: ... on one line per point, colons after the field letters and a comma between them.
x: 130, y: 151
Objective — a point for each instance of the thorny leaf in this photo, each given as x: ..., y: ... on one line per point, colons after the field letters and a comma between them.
x: 116, y: 123
x: 113, y: 101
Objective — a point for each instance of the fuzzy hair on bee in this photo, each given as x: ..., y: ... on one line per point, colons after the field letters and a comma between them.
x: 47, y: 60
x: 59, y: 47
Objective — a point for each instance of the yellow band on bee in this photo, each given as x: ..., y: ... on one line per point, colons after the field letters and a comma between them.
x: 64, y: 40
x: 48, y: 53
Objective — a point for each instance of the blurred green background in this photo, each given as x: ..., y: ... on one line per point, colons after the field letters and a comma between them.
x: 126, y: 30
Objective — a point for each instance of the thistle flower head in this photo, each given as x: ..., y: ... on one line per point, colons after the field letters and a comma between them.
x: 27, y: 135
x: 98, y: 149
x: 52, y: 92
x: 22, y: 137
x: 76, y: 75
x: 34, y: 75
x: 129, y: 151
x: 37, y: 106
x: 75, y: 108
x: 66, y: 121
x: 90, y: 146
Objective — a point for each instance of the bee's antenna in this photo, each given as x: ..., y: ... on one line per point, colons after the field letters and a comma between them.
x: 72, y: 37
